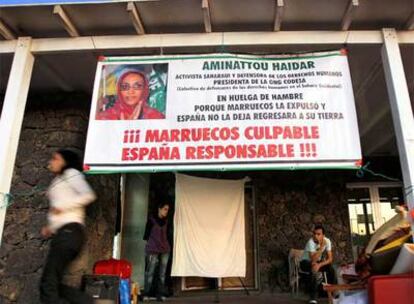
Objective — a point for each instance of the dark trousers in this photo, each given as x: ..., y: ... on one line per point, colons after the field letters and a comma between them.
x: 152, y: 261
x: 314, y: 279
x: 64, y: 248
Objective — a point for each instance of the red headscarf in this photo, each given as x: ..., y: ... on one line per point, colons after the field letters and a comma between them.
x: 122, y: 109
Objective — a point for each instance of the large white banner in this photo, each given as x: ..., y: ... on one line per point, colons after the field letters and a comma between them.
x: 223, y: 112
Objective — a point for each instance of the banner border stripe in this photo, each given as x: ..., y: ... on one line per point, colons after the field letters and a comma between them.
x: 225, y: 163
x: 229, y: 169
x: 229, y: 56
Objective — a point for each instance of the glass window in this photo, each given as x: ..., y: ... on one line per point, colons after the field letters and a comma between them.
x: 360, y: 216
x: 389, y: 198
x: 361, y: 202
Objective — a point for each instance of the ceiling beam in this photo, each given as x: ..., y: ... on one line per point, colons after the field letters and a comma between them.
x: 47, y: 45
x: 66, y: 21
x: 8, y: 46
x: 279, y: 8
x: 6, y: 32
x: 205, y: 5
x: 410, y: 22
x: 135, y: 17
x: 300, y: 38
x: 405, y: 37
x: 349, y: 14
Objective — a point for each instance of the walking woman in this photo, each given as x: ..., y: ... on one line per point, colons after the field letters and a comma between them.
x: 68, y: 195
x: 157, y: 250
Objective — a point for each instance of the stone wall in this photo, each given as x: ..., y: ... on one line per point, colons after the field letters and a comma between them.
x: 288, y: 205
x: 50, y: 123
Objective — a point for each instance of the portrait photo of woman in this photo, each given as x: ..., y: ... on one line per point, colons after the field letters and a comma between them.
x: 130, y: 99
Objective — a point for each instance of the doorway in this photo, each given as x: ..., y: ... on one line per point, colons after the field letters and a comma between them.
x: 141, y: 193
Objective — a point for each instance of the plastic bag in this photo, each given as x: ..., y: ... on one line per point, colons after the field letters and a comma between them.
x: 124, y: 292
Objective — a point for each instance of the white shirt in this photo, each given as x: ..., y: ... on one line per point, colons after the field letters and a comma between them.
x: 70, y: 193
x: 312, y: 247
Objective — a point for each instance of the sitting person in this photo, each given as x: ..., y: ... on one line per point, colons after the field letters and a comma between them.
x: 317, y: 259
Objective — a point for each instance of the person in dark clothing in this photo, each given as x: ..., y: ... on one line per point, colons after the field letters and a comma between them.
x: 157, y: 250
x: 68, y: 194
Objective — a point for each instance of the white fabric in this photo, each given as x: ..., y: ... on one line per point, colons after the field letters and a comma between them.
x: 405, y: 260
x: 358, y: 297
x: 69, y: 193
x: 397, y: 222
x: 209, y: 232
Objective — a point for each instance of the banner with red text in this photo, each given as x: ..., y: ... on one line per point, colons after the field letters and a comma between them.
x: 222, y: 112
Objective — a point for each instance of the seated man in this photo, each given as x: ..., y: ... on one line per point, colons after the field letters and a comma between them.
x: 317, y: 259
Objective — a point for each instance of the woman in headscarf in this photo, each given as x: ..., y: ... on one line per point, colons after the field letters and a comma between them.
x: 68, y: 194
x: 131, y: 103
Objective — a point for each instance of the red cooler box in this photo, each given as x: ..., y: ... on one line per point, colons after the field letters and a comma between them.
x: 391, y: 289
x: 120, y: 268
